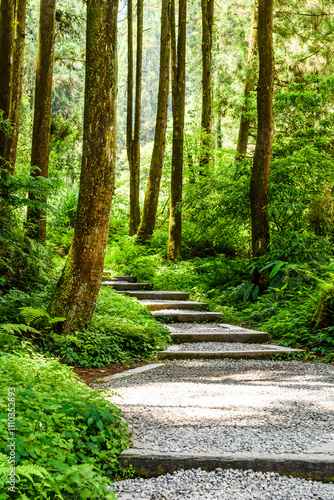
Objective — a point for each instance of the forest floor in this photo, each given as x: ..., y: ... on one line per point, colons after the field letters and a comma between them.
x: 89, y: 375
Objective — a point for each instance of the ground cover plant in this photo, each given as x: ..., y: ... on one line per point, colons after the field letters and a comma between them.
x: 68, y: 437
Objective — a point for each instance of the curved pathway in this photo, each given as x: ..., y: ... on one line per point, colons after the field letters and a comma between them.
x: 226, y: 416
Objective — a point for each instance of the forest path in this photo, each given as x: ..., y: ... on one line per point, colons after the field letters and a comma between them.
x: 222, y: 414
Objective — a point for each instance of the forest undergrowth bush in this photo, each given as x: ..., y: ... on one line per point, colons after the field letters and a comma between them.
x: 68, y: 436
x: 122, y: 330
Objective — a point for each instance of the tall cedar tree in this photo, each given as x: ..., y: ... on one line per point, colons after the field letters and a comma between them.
x: 129, y: 107
x: 207, y: 32
x: 147, y: 222
x: 36, y: 216
x: 263, y: 150
x: 6, y: 51
x: 16, y: 85
x: 178, y: 67
x: 249, y: 86
x: 135, y: 142
x: 77, y: 290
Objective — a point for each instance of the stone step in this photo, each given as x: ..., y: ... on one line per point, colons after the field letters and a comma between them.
x: 158, y: 305
x: 184, y: 316
x: 157, y: 295
x: 126, y: 286
x: 175, y: 352
x: 129, y: 279
x: 214, y: 336
x: 148, y: 463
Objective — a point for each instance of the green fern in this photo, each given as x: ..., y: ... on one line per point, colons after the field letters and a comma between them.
x: 31, y: 470
x: 12, y: 328
x: 26, y: 470
x: 31, y: 314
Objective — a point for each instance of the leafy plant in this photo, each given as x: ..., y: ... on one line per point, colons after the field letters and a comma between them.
x: 68, y: 437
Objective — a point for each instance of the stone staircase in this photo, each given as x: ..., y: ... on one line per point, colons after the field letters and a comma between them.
x: 196, y: 332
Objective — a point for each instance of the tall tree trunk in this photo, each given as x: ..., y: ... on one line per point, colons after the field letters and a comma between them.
x: 207, y: 32
x: 178, y: 63
x: 77, y: 290
x: 263, y: 150
x: 135, y: 160
x: 147, y: 223
x: 36, y: 217
x: 249, y: 86
x: 6, y: 51
x: 129, y: 109
x: 16, y: 85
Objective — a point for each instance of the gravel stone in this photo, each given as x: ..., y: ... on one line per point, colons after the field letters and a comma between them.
x: 230, y: 484
x: 179, y: 327
x: 229, y: 406
x: 220, y: 346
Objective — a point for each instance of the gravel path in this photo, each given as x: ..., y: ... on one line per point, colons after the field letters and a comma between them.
x: 220, y: 346
x: 204, y: 328
x: 227, y: 405
x: 226, y: 485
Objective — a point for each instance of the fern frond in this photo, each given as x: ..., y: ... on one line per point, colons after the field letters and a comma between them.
x: 31, y: 314
x: 12, y: 328
x: 3, y: 458
x: 55, y: 320
x: 30, y: 470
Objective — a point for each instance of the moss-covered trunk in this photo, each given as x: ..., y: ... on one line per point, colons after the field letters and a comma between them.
x: 16, y: 85
x: 178, y: 62
x: 207, y: 33
x: 36, y: 216
x: 135, y: 160
x: 6, y: 50
x: 263, y: 150
x: 147, y: 222
x: 249, y: 86
x: 129, y: 109
x: 77, y: 290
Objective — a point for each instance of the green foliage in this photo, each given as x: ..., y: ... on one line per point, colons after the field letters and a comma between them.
x: 122, y: 330
x: 68, y: 437
x: 126, y: 258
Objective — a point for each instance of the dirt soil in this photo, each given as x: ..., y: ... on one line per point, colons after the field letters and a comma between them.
x: 88, y: 375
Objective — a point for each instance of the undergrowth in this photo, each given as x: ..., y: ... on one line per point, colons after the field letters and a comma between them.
x: 68, y: 436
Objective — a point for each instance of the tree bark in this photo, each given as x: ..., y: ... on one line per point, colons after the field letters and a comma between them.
x: 147, y: 223
x: 129, y: 110
x: 249, y: 86
x: 178, y: 62
x: 36, y: 217
x: 207, y: 32
x: 16, y: 85
x: 263, y: 150
x: 135, y: 160
x: 6, y: 50
x: 77, y: 290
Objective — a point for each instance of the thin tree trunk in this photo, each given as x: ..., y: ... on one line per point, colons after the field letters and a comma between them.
x: 207, y: 32
x: 16, y: 85
x: 77, y: 290
x: 129, y: 111
x: 36, y: 217
x: 249, y: 86
x: 178, y: 62
x: 147, y: 223
x: 6, y: 51
x: 263, y: 150
x: 135, y: 160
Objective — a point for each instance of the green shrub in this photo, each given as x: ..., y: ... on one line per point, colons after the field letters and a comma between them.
x: 122, y: 330
x: 68, y: 437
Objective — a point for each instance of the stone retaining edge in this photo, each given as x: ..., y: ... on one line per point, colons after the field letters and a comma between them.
x: 309, y: 466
